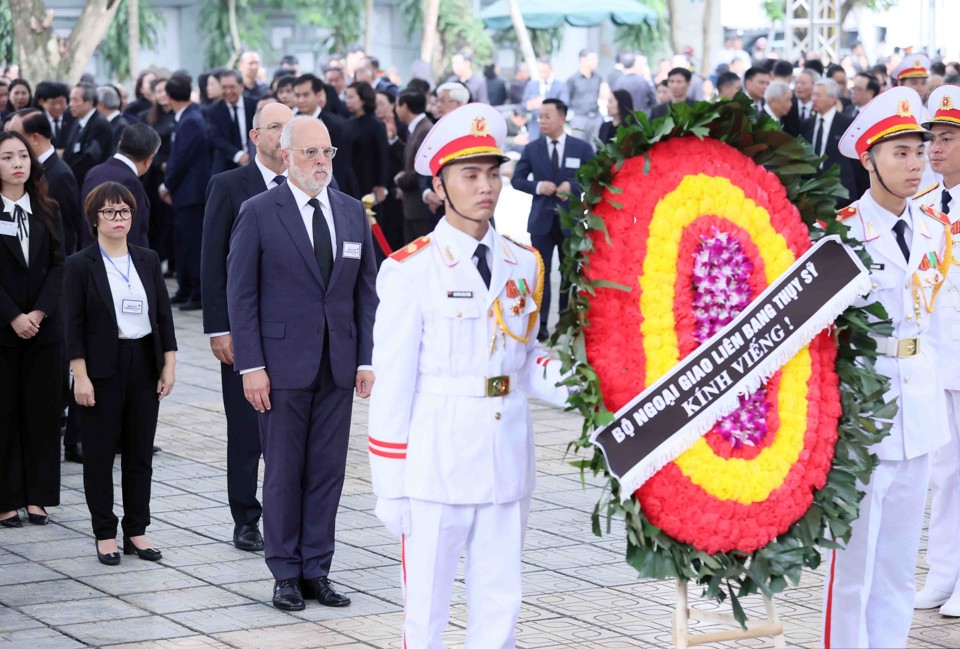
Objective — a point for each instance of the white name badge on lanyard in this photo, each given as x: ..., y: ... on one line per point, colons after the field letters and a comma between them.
x: 8, y: 228
x: 132, y: 307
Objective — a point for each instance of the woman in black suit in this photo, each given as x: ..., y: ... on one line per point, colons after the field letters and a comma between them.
x: 370, y: 157
x: 122, y: 350
x: 620, y: 111
x: 31, y: 343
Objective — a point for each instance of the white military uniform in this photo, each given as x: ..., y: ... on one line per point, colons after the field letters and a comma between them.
x: 459, y: 462
x: 868, y: 594
x: 943, y: 539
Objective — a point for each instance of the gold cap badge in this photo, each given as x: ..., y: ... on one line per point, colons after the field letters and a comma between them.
x: 903, y: 109
x: 946, y: 103
x: 479, y: 127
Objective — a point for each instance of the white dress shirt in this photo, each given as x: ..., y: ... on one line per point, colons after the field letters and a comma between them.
x: 827, y: 124
x: 805, y: 106
x: 306, y: 213
x: 132, y: 325
x: 46, y: 154
x: 267, y: 174
x: 82, y: 121
x: 23, y: 202
x: 467, y: 245
x: 561, y: 144
x: 241, y: 124
x: 953, y: 204
x: 127, y: 161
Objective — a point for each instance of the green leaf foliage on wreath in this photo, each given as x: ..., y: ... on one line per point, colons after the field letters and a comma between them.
x: 866, y: 417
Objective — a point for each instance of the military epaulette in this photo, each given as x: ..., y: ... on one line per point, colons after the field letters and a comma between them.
x: 924, y: 192
x: 517, y: 243
x: 846, y: 213
x: 936, y: 214
x: 411, y: 249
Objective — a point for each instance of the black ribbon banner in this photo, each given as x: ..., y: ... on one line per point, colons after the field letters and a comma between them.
x: 670, y: 415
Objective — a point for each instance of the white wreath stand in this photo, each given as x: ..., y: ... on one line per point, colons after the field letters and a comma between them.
x: 682, y: 639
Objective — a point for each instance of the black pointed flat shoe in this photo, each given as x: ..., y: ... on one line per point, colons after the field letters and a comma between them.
x: 38, y: 519
x: 109, y: 559
x: 13, y: 521
x: 149, y: 554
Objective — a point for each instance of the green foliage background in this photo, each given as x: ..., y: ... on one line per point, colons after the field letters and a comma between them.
x: 115, y: 48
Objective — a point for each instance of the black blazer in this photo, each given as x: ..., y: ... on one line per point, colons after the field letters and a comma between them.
x: 225, y: 194
x: 89, y: 146
x: 224, y: 138
x: 342, y: 138
x: 370, y: 157
x: 188, y: 167
x: 119, y: 123
x: 832, y: 153
x: 65, y: 191
x: 59, y: 140
x: 38, y: 286
x: 92, y: 330
x: 118, y: 172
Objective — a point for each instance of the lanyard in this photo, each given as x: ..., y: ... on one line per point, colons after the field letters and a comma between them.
x: 126, y: 277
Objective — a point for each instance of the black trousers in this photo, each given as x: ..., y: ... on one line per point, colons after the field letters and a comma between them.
x: 545, y: 244
x: 243, y: 449
x: 125, y: 415
x: 31, y: 402
x: 188, y: 231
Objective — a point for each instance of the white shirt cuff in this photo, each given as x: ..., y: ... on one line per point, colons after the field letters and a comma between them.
x: 423, y: 196
x: 218, y: 334
x: 237, y: 156
x: 252, y: 369
x: 365, y: 368
x: 537, y: 188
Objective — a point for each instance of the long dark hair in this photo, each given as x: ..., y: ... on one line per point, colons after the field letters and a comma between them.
x: 156, y: 110
x: 44, y: 208
x: 624, y: 106
x: 14, y: 84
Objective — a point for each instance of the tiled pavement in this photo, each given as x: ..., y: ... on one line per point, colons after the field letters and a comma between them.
x: 578, y: 592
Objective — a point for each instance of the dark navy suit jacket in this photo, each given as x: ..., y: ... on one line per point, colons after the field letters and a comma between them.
x: 118, y: 172
x: 281, y: 309
x: 535, y: 160
x: 188, y: 167
x: 224, y: 137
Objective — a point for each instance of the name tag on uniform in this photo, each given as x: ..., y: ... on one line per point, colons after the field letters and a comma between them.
x: 460, y: 294
x: 8, y: 228
x: 76, y: 147
x: 877, y: 266
x: 351, y: 250
x: 133, y: 307
x: 572, y: 163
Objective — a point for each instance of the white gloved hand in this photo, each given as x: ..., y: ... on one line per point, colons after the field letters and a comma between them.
x: 394, y: 513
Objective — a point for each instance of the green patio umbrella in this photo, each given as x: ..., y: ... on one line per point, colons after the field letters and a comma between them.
x: 549, y: 14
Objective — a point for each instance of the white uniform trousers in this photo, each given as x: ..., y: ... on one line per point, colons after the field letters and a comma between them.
x: 868, y: 592
x: 493, y: 538
x: 943, y: 541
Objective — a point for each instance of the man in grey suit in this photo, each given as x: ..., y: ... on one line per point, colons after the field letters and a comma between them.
x: 412, y: 111
x: 301, y: 296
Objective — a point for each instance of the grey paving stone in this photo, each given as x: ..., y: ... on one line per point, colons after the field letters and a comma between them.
x: 235, y: 618
x: 27, y: 572
x: 136, y: 630
x: 164, y: 602
x: 11, y: 620
x: 40, y: 637
x: 141, y: 581
x: 60, y: 614
x: 62, y: 590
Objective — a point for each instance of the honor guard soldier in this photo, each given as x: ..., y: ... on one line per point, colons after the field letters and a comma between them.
x: 456, y: 356
x: 869, y: 590
x: 913, y: 72
x: 942, y: 587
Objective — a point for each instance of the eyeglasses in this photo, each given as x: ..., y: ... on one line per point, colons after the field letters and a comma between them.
x: 110, y: 214
x: 312, y: 152
x: 270, y: 127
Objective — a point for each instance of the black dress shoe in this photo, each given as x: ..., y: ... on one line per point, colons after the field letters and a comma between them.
x: 179, y: 299
x: 192, y: 305
x: 287, y: 595
x: 38, y: 519
x: 73, y: 453
x: 248, y: 538
x: 320, y: 588
x: 110, y: 559
x: 150, y: 554
x: 156, y: 449
x: 13, y: 521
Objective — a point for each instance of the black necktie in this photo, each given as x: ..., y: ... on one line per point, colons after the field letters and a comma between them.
x: 900, y: 227
x: 819, y: 145
x: 56, y: 128
x: 555, y: 155
x: 482, y: 267
x: 279, y: 180
x: 236, y: 123
x: 23, y: 226
x: 803, y: 112
x: 945, y: 201
x: 322, y: 247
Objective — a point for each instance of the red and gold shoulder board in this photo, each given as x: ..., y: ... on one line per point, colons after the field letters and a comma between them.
x: 924, y: 192
x: 936, y: 214
x: 411, y: 249
x: 846, y: 213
